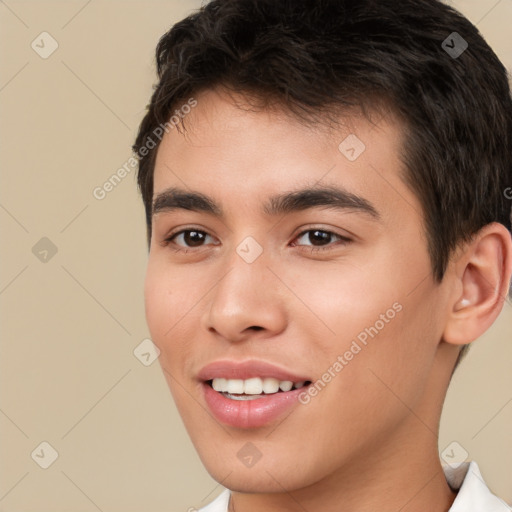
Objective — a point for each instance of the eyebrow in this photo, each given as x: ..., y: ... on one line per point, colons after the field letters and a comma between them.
x: 331, y: 197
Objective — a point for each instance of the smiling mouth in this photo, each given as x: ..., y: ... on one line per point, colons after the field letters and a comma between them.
x: 253, y: 389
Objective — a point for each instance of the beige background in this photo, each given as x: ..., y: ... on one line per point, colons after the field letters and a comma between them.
x: 69, y: 326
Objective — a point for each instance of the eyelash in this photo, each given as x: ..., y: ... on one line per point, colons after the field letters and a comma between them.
x: 176, y: 248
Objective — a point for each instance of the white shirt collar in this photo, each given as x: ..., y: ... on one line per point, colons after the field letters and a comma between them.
x: 473, y: 494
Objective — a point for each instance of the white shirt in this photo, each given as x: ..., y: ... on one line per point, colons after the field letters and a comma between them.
x: 473, y: 493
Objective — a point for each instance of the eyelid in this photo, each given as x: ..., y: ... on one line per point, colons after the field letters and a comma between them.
x: 325, y: 230
x: 331, y: 246
x: 169, y: 239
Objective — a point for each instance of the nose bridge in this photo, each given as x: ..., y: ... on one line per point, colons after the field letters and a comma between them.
x: 245, y: 297
x: 248, y: 262
x: 243, y: 286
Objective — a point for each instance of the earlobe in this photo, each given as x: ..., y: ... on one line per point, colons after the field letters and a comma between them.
x: 480, y: 279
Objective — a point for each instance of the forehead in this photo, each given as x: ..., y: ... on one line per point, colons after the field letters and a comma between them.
x: 238, y: 154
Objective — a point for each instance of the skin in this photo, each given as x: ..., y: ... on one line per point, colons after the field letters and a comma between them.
x: 368, y: 440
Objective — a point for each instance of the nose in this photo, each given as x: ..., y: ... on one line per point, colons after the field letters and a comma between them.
x: 248, y: 298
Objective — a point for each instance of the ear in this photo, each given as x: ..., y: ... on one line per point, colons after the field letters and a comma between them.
x: 480, y: 276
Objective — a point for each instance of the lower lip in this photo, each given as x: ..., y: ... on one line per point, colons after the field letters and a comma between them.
x: 250, y: 413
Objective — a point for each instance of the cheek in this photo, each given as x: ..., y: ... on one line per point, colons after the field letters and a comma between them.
x: 165, y: 306
x: 343, y: 300
x: 173, y: 307
x: 367, y: 314
x: 158, y: 302
x: 394, y: 351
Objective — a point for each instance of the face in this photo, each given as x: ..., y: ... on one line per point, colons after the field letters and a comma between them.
x: 251, y: 288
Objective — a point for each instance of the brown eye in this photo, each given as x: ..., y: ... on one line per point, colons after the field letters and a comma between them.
x: 193, y: 238
x: 320, y: 238
x: 187, y: 238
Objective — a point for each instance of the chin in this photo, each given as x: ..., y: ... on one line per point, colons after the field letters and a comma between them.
x: 265, y: 476
x: 257, y: 480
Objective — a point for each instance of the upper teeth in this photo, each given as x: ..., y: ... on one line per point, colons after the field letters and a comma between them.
x: 253, y: 386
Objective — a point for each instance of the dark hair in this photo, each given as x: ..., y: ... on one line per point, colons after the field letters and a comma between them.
x: 316, y: 57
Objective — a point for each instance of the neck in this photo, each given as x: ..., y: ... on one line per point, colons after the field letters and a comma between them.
x: 401, y: 477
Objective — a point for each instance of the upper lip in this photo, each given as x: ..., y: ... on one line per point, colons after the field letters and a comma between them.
x: 245, y: 370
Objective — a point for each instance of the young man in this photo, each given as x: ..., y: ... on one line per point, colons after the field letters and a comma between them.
x: 325, y: 183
